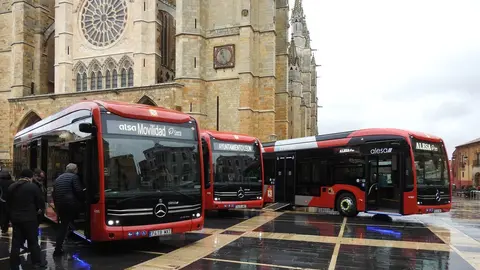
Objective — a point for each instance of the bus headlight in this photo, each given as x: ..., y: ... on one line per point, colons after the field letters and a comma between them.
x: 113, y: 222
x: 259, y: 198
x: 217, y: 199
x: 197, y: 215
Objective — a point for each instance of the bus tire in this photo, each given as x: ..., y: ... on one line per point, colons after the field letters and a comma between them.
x: 347, y: 205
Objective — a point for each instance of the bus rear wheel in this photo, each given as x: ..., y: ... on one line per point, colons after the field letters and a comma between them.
x: 347, y: 205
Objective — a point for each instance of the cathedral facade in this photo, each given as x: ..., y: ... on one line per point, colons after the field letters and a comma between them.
x: 231, y: 64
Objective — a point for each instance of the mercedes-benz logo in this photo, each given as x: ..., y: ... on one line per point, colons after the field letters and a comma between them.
x: 240, y: 193
x: 437, y: 196
x: 160, y: 210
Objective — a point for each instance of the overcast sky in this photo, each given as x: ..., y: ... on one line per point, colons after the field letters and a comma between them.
x: 404, y: 64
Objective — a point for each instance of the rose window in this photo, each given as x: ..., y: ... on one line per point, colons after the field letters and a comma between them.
x: 103, y: 21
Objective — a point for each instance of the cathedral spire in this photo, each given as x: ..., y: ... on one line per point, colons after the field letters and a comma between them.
x: 292, y: 53
x: 297, y: 13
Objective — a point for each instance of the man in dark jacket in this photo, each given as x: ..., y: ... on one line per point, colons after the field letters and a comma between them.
x: 5, y: 182
x: 25, y: 201
x: 39, y: 178
x: 68, y: 198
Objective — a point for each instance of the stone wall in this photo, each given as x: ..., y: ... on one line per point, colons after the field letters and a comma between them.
x: 246, y: 91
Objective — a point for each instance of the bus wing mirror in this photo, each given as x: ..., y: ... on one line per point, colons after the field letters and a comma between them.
x: 86, y: 128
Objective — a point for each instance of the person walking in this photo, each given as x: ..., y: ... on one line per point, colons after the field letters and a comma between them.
x: 68, y: 197
x: 25, y: 201
x: 5, y: 182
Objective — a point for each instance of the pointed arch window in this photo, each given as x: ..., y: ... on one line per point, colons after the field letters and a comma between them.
x: 84, y: 81
x: 115, y: 79
x: 99, y: 80
x: 130, y: 77
x: 123, y: 78
x: 108, y: 79
x: 79, y: 82
x: 93, y: 81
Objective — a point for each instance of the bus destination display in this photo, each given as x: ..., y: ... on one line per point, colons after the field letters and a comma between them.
x: 426, y: 147
x: 232, y: 147
x: 149, y: 129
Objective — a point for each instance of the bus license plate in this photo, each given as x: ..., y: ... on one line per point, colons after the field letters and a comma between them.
x: 437, y: 211
x: 240, y: 206
x: 160, y: 232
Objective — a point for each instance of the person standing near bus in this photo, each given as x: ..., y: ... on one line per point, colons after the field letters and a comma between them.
x: 25, y: 201
x: 67, y: 197
x: 5, y: 182
x: 38, y: 178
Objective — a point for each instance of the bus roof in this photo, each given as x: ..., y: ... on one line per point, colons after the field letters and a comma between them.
x: 229, y: 136
x: 125, y: 109
x: 342, y: 138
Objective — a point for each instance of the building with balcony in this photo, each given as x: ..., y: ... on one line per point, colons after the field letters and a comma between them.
x: 466, y: 164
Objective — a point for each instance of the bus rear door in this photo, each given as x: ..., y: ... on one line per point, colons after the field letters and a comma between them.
x: 285, y: 179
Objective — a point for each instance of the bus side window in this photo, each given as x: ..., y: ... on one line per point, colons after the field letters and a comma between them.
x: 206, y: 163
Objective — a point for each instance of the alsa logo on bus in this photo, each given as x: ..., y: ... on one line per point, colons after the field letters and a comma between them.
x: 376, y: 151
x: 346, y: 150
x: 149, y: 130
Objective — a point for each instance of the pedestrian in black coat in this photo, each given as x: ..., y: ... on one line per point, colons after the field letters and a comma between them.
x: 68, y: 199
x: 25, y: 201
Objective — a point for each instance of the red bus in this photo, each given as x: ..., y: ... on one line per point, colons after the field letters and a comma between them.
x: 379, y: 171
x: 140, y: 166
x: 233, y: 171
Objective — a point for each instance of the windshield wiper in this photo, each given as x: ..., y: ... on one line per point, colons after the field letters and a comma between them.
x: 138, y: 196
x: 155, y: 193
x: 179, y: 192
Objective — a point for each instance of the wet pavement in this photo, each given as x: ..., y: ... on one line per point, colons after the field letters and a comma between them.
x: 287, y: 240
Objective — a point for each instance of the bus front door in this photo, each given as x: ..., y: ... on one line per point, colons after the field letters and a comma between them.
x: 383, y: 185
x: 285, y: 179
x: 81, y: 155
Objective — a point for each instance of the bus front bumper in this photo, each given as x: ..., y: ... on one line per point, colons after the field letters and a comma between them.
x: 429, y: 209
x: 113, y: 233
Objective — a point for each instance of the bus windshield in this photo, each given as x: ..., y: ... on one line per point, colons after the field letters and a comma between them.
x: 236, y: 163
x: 431, y: 165
x: 149, y: 161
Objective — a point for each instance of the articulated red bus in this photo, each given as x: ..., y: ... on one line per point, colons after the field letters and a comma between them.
x: 379, y: 171
x: 233, y: 171
x: 140, y: 166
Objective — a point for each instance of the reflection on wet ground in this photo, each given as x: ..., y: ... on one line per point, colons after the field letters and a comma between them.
x: 288, y: 240
x: 271, y: 251
x: 359, y: 257
x: 304, y: 224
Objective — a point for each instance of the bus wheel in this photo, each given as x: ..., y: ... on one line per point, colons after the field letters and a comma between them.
x: 346, y: 205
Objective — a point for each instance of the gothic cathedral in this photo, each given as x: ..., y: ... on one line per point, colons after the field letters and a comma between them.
x: 248, y: 60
